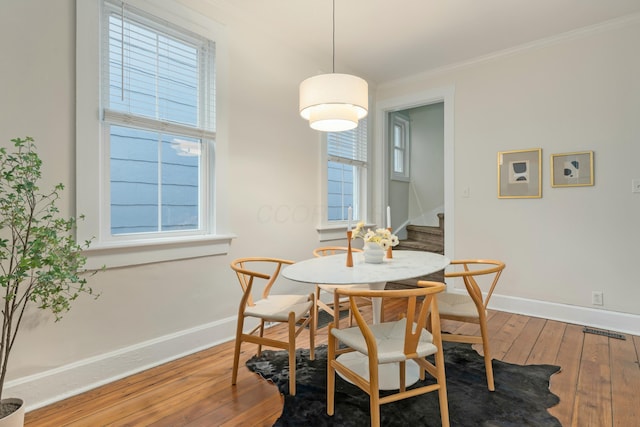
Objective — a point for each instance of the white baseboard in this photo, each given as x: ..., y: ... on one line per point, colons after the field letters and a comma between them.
x: 60, y: 383
x: 585, y: 316
x: 56, y: 384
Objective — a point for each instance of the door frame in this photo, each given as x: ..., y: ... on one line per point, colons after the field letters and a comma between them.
x: 381, y: 152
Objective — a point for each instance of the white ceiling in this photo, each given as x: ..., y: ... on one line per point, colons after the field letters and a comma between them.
x: 386, y: 40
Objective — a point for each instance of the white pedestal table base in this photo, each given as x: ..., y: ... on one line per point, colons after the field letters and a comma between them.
x: 388, y: 375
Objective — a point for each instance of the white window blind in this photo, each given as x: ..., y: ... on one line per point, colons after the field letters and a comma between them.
x: 349, y: 147
x: 159, y: 76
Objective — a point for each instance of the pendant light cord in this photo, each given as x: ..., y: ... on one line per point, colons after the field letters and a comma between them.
x: 122, y: 52
x: 334, y: 37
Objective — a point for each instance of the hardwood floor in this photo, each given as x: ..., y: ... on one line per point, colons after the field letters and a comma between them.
x: 598, y: 384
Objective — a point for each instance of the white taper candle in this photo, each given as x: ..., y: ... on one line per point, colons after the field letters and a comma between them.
x: 388, y: 217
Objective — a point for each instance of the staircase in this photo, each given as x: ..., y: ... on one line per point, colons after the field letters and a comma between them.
x: 422, y: 238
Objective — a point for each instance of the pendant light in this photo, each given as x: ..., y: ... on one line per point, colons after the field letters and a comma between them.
x: 334, y: 102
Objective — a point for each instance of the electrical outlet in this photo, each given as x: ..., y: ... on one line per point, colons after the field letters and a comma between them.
x: 635, y: 185
x: 596, y: 298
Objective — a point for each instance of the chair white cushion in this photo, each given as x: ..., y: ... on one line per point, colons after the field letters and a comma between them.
x: 453, y: 304
x: 389, y: 339
x: 277, y: 307
x: 332, y: 288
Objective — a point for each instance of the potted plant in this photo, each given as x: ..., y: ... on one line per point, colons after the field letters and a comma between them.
x: 41, y: 264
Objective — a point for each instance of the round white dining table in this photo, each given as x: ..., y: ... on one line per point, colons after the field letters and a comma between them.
x: 333, y: 270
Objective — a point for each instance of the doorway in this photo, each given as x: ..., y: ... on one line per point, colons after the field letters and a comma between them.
x: 428, y: 189
x: 416, y: 162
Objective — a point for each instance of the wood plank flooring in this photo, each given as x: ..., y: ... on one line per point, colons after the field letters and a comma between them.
x: 597, y: 386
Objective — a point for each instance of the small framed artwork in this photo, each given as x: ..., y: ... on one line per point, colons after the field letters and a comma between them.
x: 519, y: 174
x: 572, y: 169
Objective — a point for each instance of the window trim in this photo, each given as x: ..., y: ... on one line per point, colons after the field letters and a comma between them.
x: 335, y: 230
x: 90, y: 154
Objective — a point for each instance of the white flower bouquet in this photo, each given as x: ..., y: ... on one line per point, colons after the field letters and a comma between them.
x: 381, y: 236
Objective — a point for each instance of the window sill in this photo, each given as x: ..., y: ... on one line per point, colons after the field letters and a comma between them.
x: 335, y: 232
x: 119, y: 254
x: 400, y: 178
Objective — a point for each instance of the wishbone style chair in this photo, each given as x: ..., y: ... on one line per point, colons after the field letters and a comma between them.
x: 297, y: 311
x: 338, y: 304
x: 472, y: 306
x: 391, y: 342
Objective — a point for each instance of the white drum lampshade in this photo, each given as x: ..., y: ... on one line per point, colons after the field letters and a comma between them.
x: 333, y: 102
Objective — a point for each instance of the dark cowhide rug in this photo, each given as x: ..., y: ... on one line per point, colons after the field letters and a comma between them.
x: 521, y: 397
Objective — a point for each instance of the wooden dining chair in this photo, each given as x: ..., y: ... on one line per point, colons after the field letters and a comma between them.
x: 297, y: 311
x: 391, y: 342
x: 338, y: 305
x: 471, y: 307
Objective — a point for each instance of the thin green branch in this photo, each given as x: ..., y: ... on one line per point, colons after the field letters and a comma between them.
x: 40, y: 261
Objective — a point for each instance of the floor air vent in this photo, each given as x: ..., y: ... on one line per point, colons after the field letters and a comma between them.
x: 604, y: 333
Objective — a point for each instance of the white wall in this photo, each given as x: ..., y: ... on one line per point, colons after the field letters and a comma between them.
x: 575, y: 94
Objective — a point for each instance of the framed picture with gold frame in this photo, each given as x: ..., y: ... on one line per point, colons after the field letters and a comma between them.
x: 520, y: 174
x: 572, y: 169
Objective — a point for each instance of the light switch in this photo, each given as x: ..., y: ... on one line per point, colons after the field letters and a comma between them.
x: 466, y: 191
x: 635, y: 185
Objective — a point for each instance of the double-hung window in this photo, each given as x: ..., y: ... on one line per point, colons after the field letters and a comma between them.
x: 400, y: 135
x: 157, y: 132
x: 158, y: 122
x: 347, y: 162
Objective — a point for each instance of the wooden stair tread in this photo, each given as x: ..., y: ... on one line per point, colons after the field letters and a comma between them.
x: 414, y: 245
x: 425, y: 229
